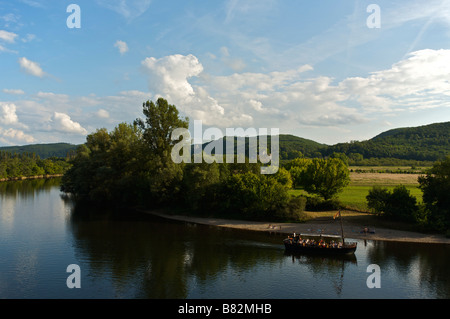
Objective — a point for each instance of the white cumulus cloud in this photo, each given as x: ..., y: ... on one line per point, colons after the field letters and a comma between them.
x: 412, y: 82
x: 11, y: 136
x: 62, y: 122
x: 170, y: 77
x: 291, y: 98
x: 8, y: 114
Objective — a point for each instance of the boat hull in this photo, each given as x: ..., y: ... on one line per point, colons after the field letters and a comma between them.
x: 299, y: 248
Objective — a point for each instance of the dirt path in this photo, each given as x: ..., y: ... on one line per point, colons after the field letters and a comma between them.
x: 329, y: 228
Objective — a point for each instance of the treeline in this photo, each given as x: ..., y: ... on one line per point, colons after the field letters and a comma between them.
x: 13, y: 165
x: 42, y: 150
x: 423, y: 143
x: 380, y: 151
x: 392, y: 148
x: 132, y: 164
x: 402, y: 146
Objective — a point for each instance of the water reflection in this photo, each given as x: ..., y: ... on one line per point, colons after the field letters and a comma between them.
x: 24, y: 191
x: 27, y: 189
x: 125, y: 254
x: 156, y: 258
x: 427, y: 265
x: 334, y: 266
x: 162, y: 256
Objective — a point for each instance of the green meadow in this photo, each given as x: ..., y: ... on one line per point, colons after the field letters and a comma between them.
x: 354, y: 195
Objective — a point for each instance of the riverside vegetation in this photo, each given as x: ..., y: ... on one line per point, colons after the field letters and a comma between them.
x: 29, y: 165
x: 131, y: 165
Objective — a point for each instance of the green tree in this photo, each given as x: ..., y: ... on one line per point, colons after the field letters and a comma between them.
x: 326, y: 177
x: 161, y: 175
x: 200, y: 182
x: 397, y: 205
x: 160, y: 120
x: 3, y: 168
x: 401, y: 205
x: 297, y: 168
x: 130, y: 164
x: 435, y: 186
x: 90, y: 176
x: 341, y: 156
x: 283, y: 177
x: 252, y: 196
x: 355, y: 158
x: 377, y: 199
x: 78, y: 180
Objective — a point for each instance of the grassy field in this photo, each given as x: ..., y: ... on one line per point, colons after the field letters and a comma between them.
x: 354, y: 195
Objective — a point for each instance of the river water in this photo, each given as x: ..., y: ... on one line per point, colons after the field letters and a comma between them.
x: 124, y: 254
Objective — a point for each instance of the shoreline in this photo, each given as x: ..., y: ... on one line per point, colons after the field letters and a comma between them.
x: 22, y: 178
x: 351, y: 231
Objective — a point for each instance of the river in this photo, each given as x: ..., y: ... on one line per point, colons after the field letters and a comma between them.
x: 130, y: 255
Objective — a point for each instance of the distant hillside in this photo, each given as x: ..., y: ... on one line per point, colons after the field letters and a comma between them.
x: 422, y: 143
x: 290, y: 146
x: 42, y: 150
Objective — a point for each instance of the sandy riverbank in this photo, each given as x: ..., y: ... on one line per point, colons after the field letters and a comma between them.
x: 329, y: 228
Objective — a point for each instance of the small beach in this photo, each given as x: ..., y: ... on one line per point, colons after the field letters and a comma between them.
x: 332, y: 227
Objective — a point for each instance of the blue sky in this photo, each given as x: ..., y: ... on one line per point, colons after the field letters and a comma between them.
x: 314, y: 69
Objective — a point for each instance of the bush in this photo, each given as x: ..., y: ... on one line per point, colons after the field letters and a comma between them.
x: 401, y: 205
x: 397, y: 205
x: 253, y: 196
x: 377, y: 199
x: 315, y: 203
x: 294, y: 210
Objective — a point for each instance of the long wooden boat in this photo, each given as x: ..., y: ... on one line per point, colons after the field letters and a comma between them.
x: 296, y: 244
x: 301, y: 247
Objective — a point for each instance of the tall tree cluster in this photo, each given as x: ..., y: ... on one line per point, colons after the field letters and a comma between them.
x: 132, y: 164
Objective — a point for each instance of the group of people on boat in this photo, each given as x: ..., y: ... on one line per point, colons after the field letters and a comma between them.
x: 298, y: 240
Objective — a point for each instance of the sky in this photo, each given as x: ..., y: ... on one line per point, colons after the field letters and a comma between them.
x: 330, y: 71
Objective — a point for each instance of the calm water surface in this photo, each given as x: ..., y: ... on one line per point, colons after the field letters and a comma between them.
x: 132, y: 255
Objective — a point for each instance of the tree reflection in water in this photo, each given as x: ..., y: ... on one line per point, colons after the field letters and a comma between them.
x: 149, y: 257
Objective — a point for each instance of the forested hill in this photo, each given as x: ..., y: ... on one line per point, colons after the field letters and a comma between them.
x: 42, y: 150
x: 290, y: 146
x: 422, y: 143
